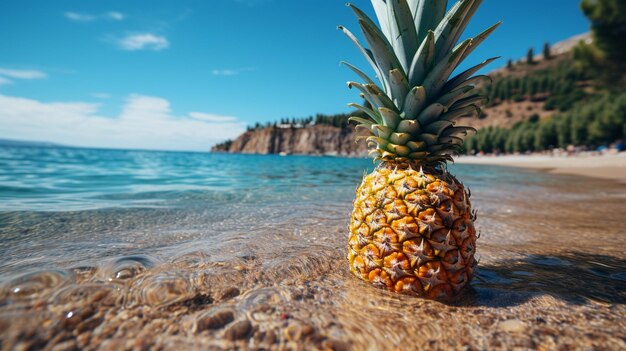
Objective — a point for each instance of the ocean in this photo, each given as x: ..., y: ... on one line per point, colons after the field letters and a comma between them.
x: 72, y: 203
x: 49, y: 179
x: 180, y: 236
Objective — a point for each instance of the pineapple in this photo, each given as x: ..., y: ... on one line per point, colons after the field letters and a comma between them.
x: 412, y: 226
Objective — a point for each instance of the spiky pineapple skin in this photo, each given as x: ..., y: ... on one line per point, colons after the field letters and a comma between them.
x: 412, y: 231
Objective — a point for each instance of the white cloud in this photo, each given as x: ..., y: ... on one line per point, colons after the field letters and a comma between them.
x: 144, y: 41
x: 114, y: 15
x: 224, y: 72
x: 211, y: 118
x: 101, y: 95
x: 87, y: 17
x: 79, y: 17
x: 231, y: 71
x: 22, y: 74
x: 5, y: 81
x: 145, y: 122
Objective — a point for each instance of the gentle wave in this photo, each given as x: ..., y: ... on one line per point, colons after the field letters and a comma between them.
x: 72, y: 179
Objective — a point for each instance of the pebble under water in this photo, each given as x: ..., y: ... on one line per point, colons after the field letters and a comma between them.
x: 104, y: 249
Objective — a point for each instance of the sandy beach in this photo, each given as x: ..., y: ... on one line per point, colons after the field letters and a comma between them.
x: 612, y: 166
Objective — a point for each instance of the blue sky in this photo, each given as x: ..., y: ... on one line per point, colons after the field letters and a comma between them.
x: 183, y: 75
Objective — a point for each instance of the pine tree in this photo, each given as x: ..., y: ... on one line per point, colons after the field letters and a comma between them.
x: 543, y: 84
x: 608, y: 25
x: 509, y: 64
x: 523, y: 85
x: 534, y: 86
x: 546, y: 51
x: 530, y: 56
x: 606, y: 57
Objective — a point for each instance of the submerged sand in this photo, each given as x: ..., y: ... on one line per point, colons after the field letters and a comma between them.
x: 551, y: 276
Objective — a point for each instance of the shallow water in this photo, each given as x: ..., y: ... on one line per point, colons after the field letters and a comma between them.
x: 125, y: 249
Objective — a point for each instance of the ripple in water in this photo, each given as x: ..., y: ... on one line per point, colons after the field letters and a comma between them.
x: 33, y: 285
x: 89, y: 294
x: 127, y: 267
x: 548, y: 261
x: 213, y: 319
x: 161, y: 289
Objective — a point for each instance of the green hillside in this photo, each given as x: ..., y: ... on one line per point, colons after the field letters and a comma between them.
x: 584, y: 90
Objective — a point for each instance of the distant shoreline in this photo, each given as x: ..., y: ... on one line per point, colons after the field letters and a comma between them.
x: 606, y: 166
x: 611, y: 167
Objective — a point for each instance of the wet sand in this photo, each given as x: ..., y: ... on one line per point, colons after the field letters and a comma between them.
x: 611, y: 166
x: 551, y: 276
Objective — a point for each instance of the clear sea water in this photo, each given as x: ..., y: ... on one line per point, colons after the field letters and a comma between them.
x: 137, y: 241
x: 75, y: 179
x: 72, y: 206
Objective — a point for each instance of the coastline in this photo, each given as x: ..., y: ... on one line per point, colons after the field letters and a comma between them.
x: 610, y: 167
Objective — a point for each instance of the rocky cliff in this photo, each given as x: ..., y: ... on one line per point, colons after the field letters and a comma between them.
x: 311, y: 140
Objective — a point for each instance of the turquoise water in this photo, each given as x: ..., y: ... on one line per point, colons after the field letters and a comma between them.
x: 74, y: 179
x: 70, y: 206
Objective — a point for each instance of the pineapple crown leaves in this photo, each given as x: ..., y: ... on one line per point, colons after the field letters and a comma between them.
x: 412, y: 115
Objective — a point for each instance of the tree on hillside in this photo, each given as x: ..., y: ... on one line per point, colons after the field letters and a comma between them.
x: 530, y: 56
x: 546, y: 51
x: 608, y: 25
x: 509, y: 64
x: 606, y: 57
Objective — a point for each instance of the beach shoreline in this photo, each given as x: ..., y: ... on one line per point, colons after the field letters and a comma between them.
x: 610, y: 166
